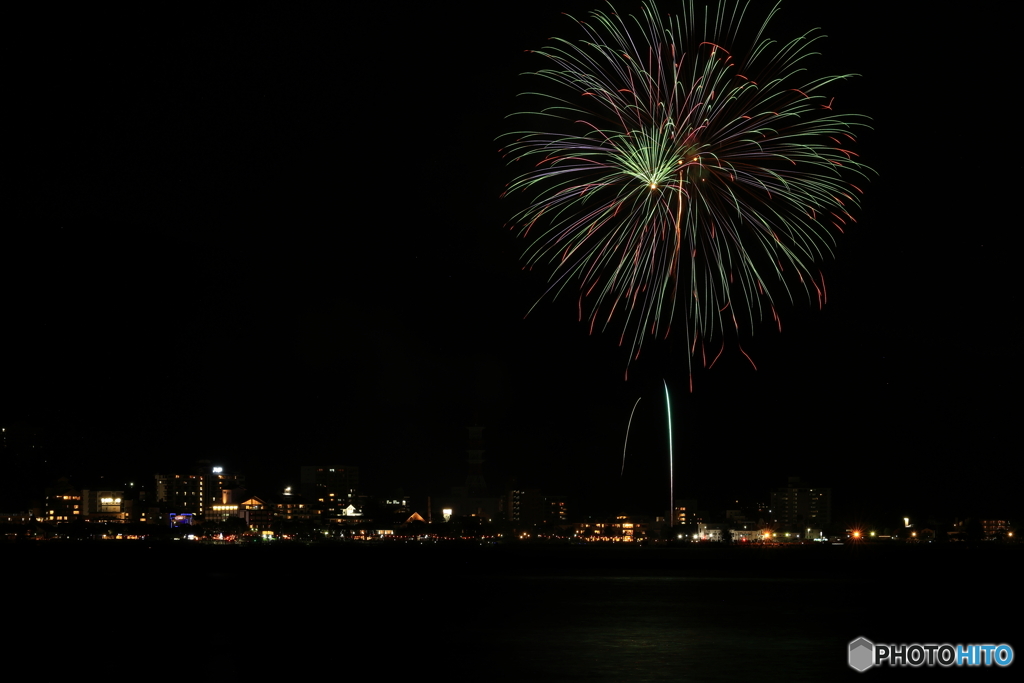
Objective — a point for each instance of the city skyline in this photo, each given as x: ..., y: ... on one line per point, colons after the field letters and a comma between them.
x: 239, y: 237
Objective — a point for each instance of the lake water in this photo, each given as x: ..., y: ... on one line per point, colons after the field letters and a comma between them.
x: 537, y: 614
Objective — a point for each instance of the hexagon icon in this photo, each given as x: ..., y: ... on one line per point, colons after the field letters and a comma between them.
x: 862, y: 654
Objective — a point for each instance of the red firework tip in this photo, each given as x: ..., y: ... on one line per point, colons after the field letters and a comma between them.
x: 748, y: 357
x: 717, y: 47
x: 717, y: 356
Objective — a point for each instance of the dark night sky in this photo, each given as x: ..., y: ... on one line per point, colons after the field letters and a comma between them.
x: 273, y: 237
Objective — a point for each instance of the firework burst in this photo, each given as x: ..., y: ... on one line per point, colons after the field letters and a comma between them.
x: 683, y: 178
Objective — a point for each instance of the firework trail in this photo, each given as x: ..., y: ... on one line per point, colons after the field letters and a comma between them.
x: 626, y: 442
x: 685, y: 174
x: 671, y: 461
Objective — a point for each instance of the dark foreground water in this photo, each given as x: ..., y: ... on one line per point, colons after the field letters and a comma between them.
x: 521, y: 614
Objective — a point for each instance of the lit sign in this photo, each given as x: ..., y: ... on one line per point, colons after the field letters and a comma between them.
x: 218, y: 470
x: 182, y: 519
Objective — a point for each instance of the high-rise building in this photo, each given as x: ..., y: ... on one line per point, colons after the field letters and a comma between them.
x: 528, y: 508
x: 61, y: 503
x: 798, y: 506
x: 524, y: 507
x: 196, y: 492
x: 330, y: 488
x: 105, y: 506
x: 685, y: 512
x: 995, y: 527
x: 557, y: 509
x: 181, y: 492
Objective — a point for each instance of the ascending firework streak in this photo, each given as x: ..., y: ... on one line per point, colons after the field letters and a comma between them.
x: 626, y: 443
x: 671, y: 457
x: 671, y: 477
